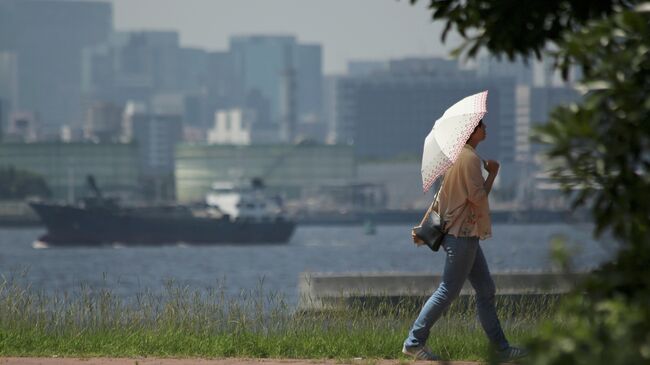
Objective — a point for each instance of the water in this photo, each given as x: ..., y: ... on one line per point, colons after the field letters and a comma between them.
x: 130, y: 270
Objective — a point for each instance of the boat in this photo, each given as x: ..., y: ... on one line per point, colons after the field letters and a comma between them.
x: 247, y: 216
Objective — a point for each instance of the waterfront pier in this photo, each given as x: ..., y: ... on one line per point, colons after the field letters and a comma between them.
x: 320, y: 291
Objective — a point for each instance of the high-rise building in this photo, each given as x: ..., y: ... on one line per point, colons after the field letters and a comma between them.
x: 151, y: 68
x: 309, y: 72
x: 335, y: 132
x: 424, y: 66
x: 534, y: 106
x: 389, y: 115
x: 132, y: 66
x: 3, y: 117
x: 8, y: 87
x: 278, y: 72
x: 491, y: 66
x: 193, y: 69
x: 365, y: 68
x: 47, y: 38
x: 156, y: 136
x: 260, y: 66
x: 223, y: 92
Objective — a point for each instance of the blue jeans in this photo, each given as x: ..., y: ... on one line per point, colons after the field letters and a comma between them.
x: 464, y: 260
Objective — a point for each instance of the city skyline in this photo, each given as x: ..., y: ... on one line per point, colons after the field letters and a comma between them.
x: 363, y: 30
x: 143, y: 84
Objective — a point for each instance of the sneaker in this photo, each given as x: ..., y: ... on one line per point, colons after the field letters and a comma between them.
x: 511, y: 353
x: 420, y: 353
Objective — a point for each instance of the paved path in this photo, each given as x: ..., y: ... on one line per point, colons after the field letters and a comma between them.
x: 196, y: 361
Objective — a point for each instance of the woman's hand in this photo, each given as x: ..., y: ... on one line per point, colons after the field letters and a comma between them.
x: 416, y: 239
x: 491, y: 166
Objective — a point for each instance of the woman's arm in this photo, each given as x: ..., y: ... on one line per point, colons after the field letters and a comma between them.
x: 477, y: 188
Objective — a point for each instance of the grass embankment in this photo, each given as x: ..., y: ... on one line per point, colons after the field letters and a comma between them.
x: 186, y: 323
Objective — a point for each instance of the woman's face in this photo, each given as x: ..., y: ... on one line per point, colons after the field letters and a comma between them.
x: 480, y: 132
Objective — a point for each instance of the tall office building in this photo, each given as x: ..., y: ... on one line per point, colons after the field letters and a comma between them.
x: 365, y: 68
x: 335, y: 132
x: 491, y: 66
x: 192, y: 68
x: 222, y: 88
x: 425, y: 66
x: 3, y: 117
x: 279, y: 78
x: 309, y: 71
x: 151, y: 68
x: 389, y: 115
x: 8, y: 87
x: 156, y: 136
x: 132, y: 66
x: 47, y: 38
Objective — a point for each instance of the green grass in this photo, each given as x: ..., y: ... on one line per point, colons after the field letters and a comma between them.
x: 183, y: 322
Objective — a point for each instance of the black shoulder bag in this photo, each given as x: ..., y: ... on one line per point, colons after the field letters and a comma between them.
x: 432, y: 229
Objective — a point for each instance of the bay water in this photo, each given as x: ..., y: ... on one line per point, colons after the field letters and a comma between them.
x: 127, y: 271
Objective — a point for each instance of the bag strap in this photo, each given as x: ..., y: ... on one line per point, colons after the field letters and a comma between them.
x: 435, y: 198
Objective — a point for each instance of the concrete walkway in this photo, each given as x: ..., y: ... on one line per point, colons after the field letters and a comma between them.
x: 197, y: 361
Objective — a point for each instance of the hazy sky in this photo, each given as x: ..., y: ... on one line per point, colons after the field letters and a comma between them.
x: 347, y: 29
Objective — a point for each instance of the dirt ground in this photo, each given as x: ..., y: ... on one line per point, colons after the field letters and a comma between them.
x: 194, y: 361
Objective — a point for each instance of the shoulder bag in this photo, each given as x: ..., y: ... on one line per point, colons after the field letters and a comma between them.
x: 432, y: 229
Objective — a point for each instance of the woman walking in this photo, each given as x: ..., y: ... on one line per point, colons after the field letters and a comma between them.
x: 462, y: 204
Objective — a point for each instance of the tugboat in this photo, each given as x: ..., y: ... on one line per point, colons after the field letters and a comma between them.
x: 231, y: 215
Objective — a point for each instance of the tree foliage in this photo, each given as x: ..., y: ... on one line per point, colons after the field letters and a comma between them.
x: 603, y: 150
x: 603, y: 144
x: 19, y: 184
x: 514, y: 27
x: 600, y: 148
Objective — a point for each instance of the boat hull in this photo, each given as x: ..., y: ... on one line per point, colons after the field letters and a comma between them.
x: 71, y: 225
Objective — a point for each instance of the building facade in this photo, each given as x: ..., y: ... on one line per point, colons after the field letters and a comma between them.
x: 103, y: 122
x: 46, y: 38
x: 8, y: 87
x: 389, y: 115
x: 131, y: 66
x: 232, y: 127
x: 287, y: 169
x: 282, y: 76
x: 65, y: 166
x: 156, y: 136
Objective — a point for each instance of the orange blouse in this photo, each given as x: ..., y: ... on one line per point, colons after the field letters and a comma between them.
x: 463, y: 201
